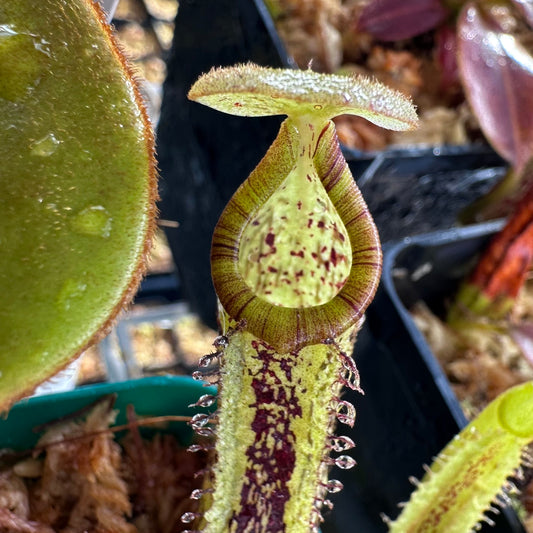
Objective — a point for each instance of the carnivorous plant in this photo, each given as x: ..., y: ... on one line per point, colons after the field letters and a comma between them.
x: 475, y: 470
x: 295, y: 261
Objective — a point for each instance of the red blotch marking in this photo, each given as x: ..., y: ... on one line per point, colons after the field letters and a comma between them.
x: 299, y: 274
x: 237, y: 104
x: 297, y: 254
x: 309, y: 222
x: 333, y: 257
x: 271, y: 467
x: 269, y: 239
x: 255, y: 223
x: 321, y: 224
x: 272, y: 269
x: 299, y: 205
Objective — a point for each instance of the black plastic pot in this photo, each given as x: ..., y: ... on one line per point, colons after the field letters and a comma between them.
x: 416, y: 190
x: 204, y: 155
x: 409, y: 411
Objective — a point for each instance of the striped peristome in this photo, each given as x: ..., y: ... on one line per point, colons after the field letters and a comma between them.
x: 285, y: 327
x: 296, y: 260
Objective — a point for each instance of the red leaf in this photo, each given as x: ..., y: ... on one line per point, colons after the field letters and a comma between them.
x: 526, y: 8
x: 393, y: 20
x: 504, y: 266
x: 446, y: 56
x: 497, y: 74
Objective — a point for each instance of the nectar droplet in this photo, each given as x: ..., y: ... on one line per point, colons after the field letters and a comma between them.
x: 199, y: 420
x: 204, y: 401
x: 344, y: 462
x: 345, y: 413
x: 189, y: 517
x: 196, y: 494
x: 342, y: 444
x: 221, y: 342
x: 205, y: 432
x: 333, y: 486
x: 206, y: 360
x: 328, y: 504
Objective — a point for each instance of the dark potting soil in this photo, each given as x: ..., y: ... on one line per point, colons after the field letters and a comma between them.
x: 413, y: 195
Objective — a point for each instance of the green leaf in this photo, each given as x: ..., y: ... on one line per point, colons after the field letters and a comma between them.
x: 77, y: 186
x: 253, y: 91
x: 473, y: 469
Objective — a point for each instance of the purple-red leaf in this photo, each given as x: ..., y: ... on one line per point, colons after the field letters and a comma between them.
x: 393, y: 20
x: 526, y: 9
x: 497, y: 73
x: 446, y: 56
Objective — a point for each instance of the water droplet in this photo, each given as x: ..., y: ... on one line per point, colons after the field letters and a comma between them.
x: 69, y: 293
x: 342, y: 444
x: 94, y: 220
x: 187, y: 518
x: 19, y: 76
x: 6, y: 30
x: 334, y: 485
x: 198, y: 376
x: 204, y: 401
x: 194, y: 448
x: 45, y: 146
x: 43, y: 47
x: 345, y: 462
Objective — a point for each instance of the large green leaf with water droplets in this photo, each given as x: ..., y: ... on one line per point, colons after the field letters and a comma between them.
x: 76, y: 186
